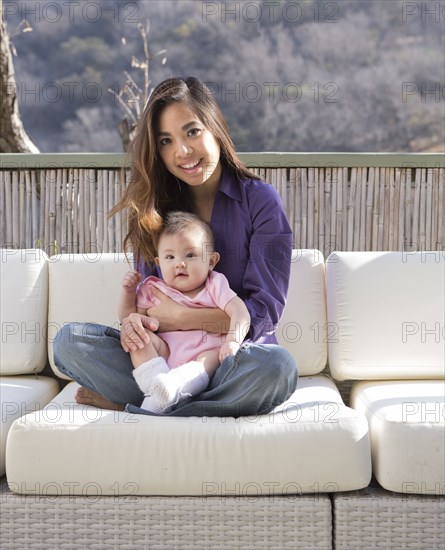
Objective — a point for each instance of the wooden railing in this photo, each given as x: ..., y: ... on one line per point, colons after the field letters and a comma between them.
x: 59, y: 202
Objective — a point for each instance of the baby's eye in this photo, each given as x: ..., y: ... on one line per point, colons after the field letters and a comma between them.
x: 191, y: 255
x: 169, y: 257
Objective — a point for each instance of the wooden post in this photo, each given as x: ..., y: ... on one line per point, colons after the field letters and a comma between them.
x: 8, y: 209
x: 441, y: 211
x: 58, y: 211
x: 400, y: 184
x: 350, y: 228
x: 416, y: 210
x: 292, y: 184
x: 321, y: 217
x: 52, y: 212
x: 75, y: 211
x: 362, y: 179
x: 109, y: 207
x: 69, y: 211
x: 304, y: 207
x: 310, y: 207
x: 92, y: 209
x: 316, y: 208
x: 28, y: 210
x: 428, y: 209
x: 15, y: 210
x: 297, y: 230
x: 2, y: 208
x: 100, y: 209
x: 334, y: 244
x: 434, y: 211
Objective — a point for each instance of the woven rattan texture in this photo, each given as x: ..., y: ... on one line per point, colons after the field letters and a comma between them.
x: 373, y: 518
x: 42, y: 522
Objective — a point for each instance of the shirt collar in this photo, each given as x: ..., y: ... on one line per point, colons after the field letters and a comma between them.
x: 229, y: 184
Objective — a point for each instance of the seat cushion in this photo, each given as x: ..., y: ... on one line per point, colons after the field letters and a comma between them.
x: 23, y: 310
x: 20, y: 395
x: 302, y: 329
x: 407, y: 426
x: 386, y: 311
x: 312, y: 443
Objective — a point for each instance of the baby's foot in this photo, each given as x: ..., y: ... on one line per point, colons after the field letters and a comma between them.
x: 147, y: 372
x: 84, y: 396
x: 167, y: 389
x: 163, y: 394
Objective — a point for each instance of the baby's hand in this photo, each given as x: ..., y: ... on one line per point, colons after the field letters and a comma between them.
x: 130, y: 281
x: 228, y: 348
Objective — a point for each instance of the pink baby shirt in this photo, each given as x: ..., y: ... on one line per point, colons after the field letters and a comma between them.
x: 184, y: 345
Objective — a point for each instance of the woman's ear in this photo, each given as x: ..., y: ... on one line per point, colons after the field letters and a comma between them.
x: 214, y: 259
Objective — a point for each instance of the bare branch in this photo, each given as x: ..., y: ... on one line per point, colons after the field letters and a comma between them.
x: 132, y: 97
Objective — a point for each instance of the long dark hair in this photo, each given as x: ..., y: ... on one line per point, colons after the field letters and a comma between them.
x: 153, y: 191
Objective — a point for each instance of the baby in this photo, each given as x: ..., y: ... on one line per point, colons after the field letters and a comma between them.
x: 178, y: 365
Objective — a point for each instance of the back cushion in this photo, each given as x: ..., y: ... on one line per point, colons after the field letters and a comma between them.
x: 86, y: 289
x: 303, y: 330
x: 83, y: 288
x: 388, y: 309
x: 23, y: 310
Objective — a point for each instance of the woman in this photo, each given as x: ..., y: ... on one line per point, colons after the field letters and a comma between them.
x: 183, y: 159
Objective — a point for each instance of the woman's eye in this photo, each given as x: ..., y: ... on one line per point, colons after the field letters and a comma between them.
x: 164, y: 141
x: 195, y: 132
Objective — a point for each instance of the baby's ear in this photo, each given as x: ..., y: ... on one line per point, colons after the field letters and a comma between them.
x: 214, y: 259
x: 157, y: 262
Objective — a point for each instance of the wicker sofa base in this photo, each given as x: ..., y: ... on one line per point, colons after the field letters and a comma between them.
x: 374, y: 518
x: 164, y: 523
x: 369, y: 519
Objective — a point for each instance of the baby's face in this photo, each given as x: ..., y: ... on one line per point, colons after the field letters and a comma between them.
x: 185, y: 259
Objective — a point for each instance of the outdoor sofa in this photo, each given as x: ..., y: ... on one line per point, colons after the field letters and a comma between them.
x: 330, y: 468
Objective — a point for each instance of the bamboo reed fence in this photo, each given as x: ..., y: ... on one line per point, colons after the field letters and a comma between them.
x: 64, y: 209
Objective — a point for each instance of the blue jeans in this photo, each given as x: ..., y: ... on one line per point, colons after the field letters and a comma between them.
x: 254, y: 381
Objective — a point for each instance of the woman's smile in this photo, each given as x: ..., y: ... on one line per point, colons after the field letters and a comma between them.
x: 191, y: 167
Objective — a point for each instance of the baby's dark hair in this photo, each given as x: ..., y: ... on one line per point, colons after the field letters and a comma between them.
x: 178, y: 221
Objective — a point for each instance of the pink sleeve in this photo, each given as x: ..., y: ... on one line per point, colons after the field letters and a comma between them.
x: 144, y: 295
x: 219, y: 289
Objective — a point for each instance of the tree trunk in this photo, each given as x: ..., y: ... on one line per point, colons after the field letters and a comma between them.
x: 126, y: 132
x: 13, y: 138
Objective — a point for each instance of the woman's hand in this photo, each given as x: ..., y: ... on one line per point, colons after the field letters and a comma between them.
x: 227, y: 349
x: 172, y: 316
x: 134, y: 331
x: 168, y: 313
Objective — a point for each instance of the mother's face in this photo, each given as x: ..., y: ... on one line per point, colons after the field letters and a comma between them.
x: 189, y: 151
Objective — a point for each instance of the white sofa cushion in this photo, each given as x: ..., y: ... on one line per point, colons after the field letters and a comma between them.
x: 388, y: 310
x: 20, y: 395
x: 23, y: 310
x: 311, y: 443
x: 83, y: 288
x: 407, y: 426
x: 302, y: 329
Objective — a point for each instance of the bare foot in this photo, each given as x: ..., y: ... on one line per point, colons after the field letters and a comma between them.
x: 85, y: 396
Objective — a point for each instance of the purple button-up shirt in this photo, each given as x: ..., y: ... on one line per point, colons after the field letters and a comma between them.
x: 254, y: 239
